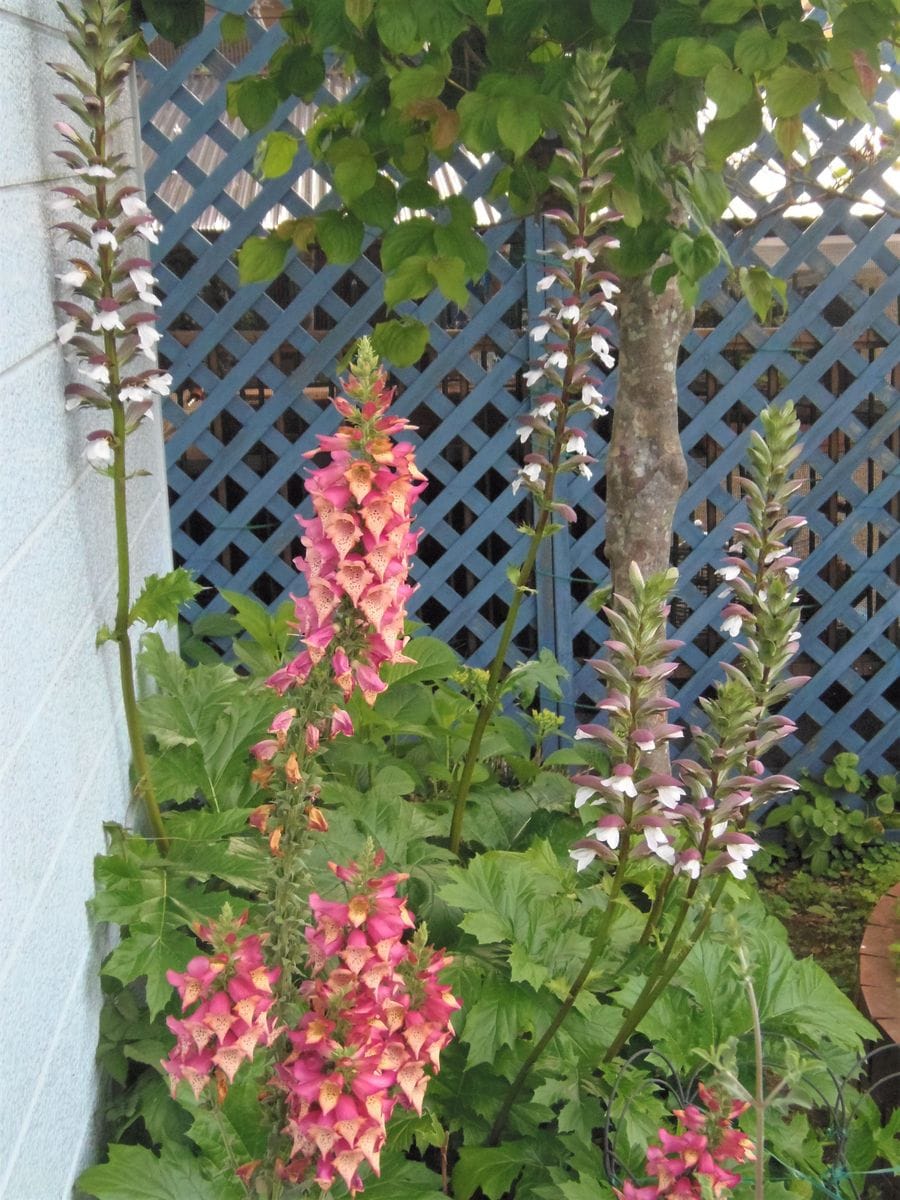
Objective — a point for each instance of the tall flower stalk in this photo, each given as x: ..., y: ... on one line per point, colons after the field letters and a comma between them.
x: 566, y: 372
x: 110, y: 332
x: 689, y: 821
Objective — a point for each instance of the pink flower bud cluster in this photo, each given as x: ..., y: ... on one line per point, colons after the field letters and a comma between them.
x: 357, y: 547
x: 691, y: 1164
x: 229, y: 996
x: 378, y: 1019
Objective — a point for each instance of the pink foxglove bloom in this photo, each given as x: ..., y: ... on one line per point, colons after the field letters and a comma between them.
x: 377, y: 1021
x: 358, y: 546
x: 225, y: 1002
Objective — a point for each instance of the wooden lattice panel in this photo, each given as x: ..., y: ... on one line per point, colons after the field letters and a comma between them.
x: 254, y: 366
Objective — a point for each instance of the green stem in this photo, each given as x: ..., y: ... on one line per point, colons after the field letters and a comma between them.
x: 143, y: 783
x: 759, y: 1090
x: 670, y: 960
x: 600, y: 940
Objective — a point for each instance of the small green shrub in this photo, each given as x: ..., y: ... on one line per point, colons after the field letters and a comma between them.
x: 824, y: 833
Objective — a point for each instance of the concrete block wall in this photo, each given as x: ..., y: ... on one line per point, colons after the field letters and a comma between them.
x: 64, y: 753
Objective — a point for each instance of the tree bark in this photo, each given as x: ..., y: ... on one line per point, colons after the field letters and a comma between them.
x: 646, y: 470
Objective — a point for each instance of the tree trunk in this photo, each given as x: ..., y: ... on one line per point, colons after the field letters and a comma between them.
x: 646, y: 470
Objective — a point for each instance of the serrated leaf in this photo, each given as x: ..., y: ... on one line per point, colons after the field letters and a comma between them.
x: 261, y: 259
x: 378, y: 206
x: 697, y: 57
x: 255, y: 101
x: 276, y: 154
x: 450, y: 276
x: 458, y: 241
x: 414, y: 237
x: 232, y: 28
x: 518, y: 125
x: 177, y: 23
x: 340, y: 235
x: 300, y: 72
x: 756, y: 51
x: 402, y: 341
x: 150, y: 952
x: 411, y: 280
x: 729, y: 89
x: 790, y: 90
x: 353, y: 167
x: 493, y: 1169
x: 135, y: 1173
x: 162, y: 596
x: 416, y: 83
x: 723, y: 138
x: 397, y: 27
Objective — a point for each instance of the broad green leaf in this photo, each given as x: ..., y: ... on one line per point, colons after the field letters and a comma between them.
x: 697, y: 57
x: 261, y: 259
x: 722, y: 138
x: 526, y: 678
x: 300, y: 72
x: 416, y: 83
x: 790, y: 90
x: 450, y: 276
x: 434, y: 660
x: 270, y: 631
x: 135, y: 1173
x: 407, y: 239
x: 397, y: 27
x: 177, y: 23
x: 611, y: 15
x: 359, y: 11
x: 501, y: 1015
x: 403, y: 1179
x: 402, y: 341
x: 276, y: 154
x: 478, y: 121
x: 696, y: 256
x: 416, y: 193
x: 710, y: 194
x: 458, y: 241
x: 239, y: 1129
x: 411, y: 280
x: 518, y: 125
x: 726, y: 12
x: 256, y: 101
x: 493, y: 1169
x: 730, y: 90
x: 151, y: 952
x: 162, y: 596
x: 850, y: 96
x: 340, y: 235
x: 756, y: 51
x: 378, y: 206
x: 762, y: 290
x: 353, y: 167
x: 233, y: 28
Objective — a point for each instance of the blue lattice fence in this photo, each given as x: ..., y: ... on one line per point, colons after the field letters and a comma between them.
x: 254, y: 366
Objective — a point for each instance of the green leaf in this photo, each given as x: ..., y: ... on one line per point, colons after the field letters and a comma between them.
x: 261, y: 259
x: 299, y: 72
x: 177, y: 23
x: 541, y: 672
x: 413, y: 237
x: 756, y: 51
x: 726, y: 12
x: 378, y: 206
x: 790, y: 90
x: 340, y: 235
x: 401, y: 342
x: 457, y: 241
x: 162, y: 596
x: 850, y: 96
x: 610, y: 15
x: 730, y: 90
x: 696, y: 256
x: 411, y: 280
x: 762, y: 290
x: 135, y: 1173
x: 450, y: 276
x: 233, y: 28
x: 518, y: 125
x: 500, y: 1016
x: 353, y: 167
x: 276, y: 154
x: 270, y: 631
x: 416, y: 83
x: 493, y: 1169
x: 697, y: 57
x: 151, y: 952
x: 359, y: 11
x: 434, y: 660
x: 478, y: 121
x: 722, y: 138
x: 416, y: 193
x: 256, y: 101
x: 397, y: 27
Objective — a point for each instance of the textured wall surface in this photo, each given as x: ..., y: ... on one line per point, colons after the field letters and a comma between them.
x: 63, y: 758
